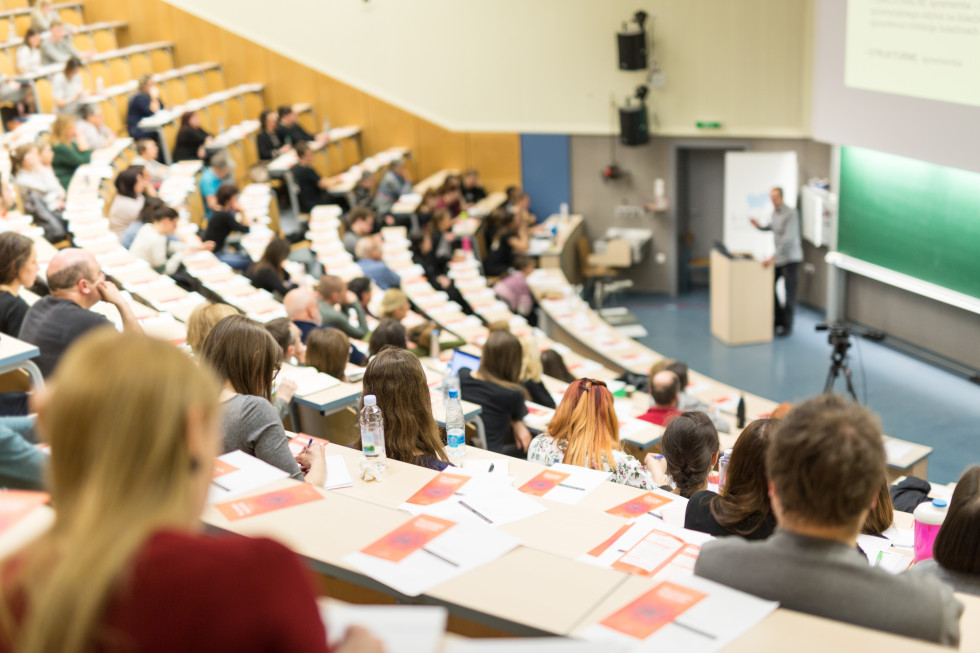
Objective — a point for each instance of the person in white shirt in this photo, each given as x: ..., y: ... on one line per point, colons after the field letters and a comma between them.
x: 68, y: 90
x: 29, y: 54
x: 92, y: 126
x: 147, y: 151
x: 29, y: 172
x: 153, y: 242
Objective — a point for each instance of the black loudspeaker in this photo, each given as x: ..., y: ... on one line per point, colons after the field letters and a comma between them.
x: 633, y: 126
x: 632, y: 50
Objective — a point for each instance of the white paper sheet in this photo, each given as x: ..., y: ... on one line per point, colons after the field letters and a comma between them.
x: 711, y: 624
x: 251, y: 474
x: 338, y: 475
x: 454, y: 552
x: 579, y: 483
x: 492, y: 507
x: 401, y: 628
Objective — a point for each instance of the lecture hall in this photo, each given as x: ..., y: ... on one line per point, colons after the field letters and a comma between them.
x: 500, y: 325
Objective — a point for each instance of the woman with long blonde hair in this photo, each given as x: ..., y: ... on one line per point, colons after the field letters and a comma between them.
x: 124, y: 567
x: 585, y: 432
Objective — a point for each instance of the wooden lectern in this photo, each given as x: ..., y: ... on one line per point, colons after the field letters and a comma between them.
x: 741, y: 300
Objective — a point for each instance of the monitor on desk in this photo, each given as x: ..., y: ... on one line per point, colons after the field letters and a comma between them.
x: 462, y: 360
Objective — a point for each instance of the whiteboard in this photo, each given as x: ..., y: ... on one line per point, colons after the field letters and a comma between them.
x: 749, y: 176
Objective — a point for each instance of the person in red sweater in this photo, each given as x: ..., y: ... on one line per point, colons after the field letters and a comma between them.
x: 124, y: 567
x: 664, y: 387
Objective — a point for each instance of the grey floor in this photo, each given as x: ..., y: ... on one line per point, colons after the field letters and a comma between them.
x: 916, y: 401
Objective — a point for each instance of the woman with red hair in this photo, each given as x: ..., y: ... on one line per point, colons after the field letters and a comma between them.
x: 585, y: 432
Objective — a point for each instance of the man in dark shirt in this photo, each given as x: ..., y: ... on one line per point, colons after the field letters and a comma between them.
x: 289, y: 131
x: 222, y: 223
x: 56, y: 321
x: 472, y: 190
x: 143, y: 104
x: 312, y: 189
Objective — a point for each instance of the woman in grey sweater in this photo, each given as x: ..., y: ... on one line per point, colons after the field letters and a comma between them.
x: 246, y: 358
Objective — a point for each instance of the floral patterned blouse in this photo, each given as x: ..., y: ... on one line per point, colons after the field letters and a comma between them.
x: 548, y: 451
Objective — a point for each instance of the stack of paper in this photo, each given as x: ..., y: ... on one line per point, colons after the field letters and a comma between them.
x: 237, y: 472
x: 426, y: 551
x: 687, y: 614
x: 650, y: 547
x: 401, y: 628
x: 308, y: 380
x: 565, y: 483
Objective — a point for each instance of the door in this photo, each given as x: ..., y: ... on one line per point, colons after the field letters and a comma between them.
x: 701, y: 206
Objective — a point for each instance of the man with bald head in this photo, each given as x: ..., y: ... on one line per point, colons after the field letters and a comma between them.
x: 301, y: 307
x: 76, y: 284
x: 665, y: 387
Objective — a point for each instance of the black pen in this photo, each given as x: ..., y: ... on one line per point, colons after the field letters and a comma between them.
x: 491, y: 468
x: 444, y: 559
x: 226, y: 489
x: 476, y: 512
x: 572, y: 487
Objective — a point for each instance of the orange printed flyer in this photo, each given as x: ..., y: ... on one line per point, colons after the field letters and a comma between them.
x: 639, y: 506
x: 438, y: 489
x: 543, y: 483
x: 408, y: 538
x: 268, y: 502
x: 650, y: 555
x: 17, y: 504
x: 221, y: 468
x: 600, y: 549
x: 654, y: 610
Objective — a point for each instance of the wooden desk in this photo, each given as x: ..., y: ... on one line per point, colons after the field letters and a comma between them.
x: 16, y: 354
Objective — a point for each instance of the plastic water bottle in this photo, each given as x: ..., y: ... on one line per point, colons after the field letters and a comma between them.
x: 434, y: 344
x: 929, y: 516
x: 455, y: 428
x: 373, y: 433
x: 449, y: 382
x: 723, y: 467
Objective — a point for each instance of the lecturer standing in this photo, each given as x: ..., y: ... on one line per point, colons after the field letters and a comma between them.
x: 785, y: 226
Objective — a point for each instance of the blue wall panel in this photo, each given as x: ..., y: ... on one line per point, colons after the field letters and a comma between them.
x: 546, y: 172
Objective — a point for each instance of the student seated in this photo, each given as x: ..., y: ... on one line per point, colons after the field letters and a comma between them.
x: 214, y: 177
x: 471, y: 190
x: 585, y: 432
x: 664, y: 388
x: 394, y: 305
x: 690, y: 450
x: 143, y: 104
x: 18, y: 269
x: 202, y: 320
x: 91, y: 123
x: 286, y: 334
x: 289, y: 131
x: 68, y: 89
x: 302, y: 309
x: 956, y: 553
x: 128, y: 202
x: 192, y: 139
x: 396, y: 378
x: 825, y: 463
x: 360, y: 223
x: 268, y: 272
x: 69, y: 147
x: 687, y: 402
x: 742, y: 507
x: 361, y: 287
x: 147, y: 152
x: 132, y: 458
x: 496, y: 387
x: 389, y: 333
x: 508, y: 241
x: 554, y: 366
x: 882, y: 515
x: 327, y: 350
x: 22, y: 464
x: 312, y: 189
x: 224, y: 221
x: 267, y: 141
x: 246, y: 358
x: 155, y: 244
x: 29, y: 53
x: 332, y: 293
x: 531, y: 372
x: 368, y: 255
x: 58, y: 48
x: 393, y: 185
x: 30, y: 172
x: 513, y: 288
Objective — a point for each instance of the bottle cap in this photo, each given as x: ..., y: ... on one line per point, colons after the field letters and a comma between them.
x: 370, y: 400
x: 454, y: 393
x: 939, y: 503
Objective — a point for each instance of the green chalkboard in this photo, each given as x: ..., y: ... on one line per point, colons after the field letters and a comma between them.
x: 910, y: 216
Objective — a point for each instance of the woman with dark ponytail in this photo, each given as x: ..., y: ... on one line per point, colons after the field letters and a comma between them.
x: 690, y: 450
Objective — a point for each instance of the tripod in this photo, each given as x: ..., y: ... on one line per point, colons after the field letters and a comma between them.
x: 838, y: 366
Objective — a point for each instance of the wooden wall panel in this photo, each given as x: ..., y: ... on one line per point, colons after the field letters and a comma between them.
x: 197, y: 40
x: 243, y: 62
x: 439, y: 149
x: 497, y: 157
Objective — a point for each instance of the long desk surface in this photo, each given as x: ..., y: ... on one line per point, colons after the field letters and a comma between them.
x: 567, y: 595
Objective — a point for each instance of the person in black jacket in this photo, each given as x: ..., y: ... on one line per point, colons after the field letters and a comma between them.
x: 312, y: 188
x: 191, y: 138
x: 267, y: 273
x: 223, y: 223
x: 269, y: 144
x: 289, y: 131
x: 144, y: 103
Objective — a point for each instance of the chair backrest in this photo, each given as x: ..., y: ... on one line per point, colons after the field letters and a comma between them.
x: 45, y: 98
x: 176, y: 91
x: 214, y: 79
x: 6, y: 62
x: 217, y: 118
x: 99, y: 69
x: 105, y: 39
x: 5, y: 27
x: 112, y: 117
x: 71, y: 15
x: 195, y: 85
x: 120, y: 70
x: 21, y: 24
x: 84, y: 41
x: 140, y: 64
x: 161, y: 60
x: 18, y: 4
x: 236, y: 110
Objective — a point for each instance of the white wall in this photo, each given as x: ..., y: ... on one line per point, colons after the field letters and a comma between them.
x: 547, y: 65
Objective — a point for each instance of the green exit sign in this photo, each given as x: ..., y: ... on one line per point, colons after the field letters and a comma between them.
x: 708, y: 124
